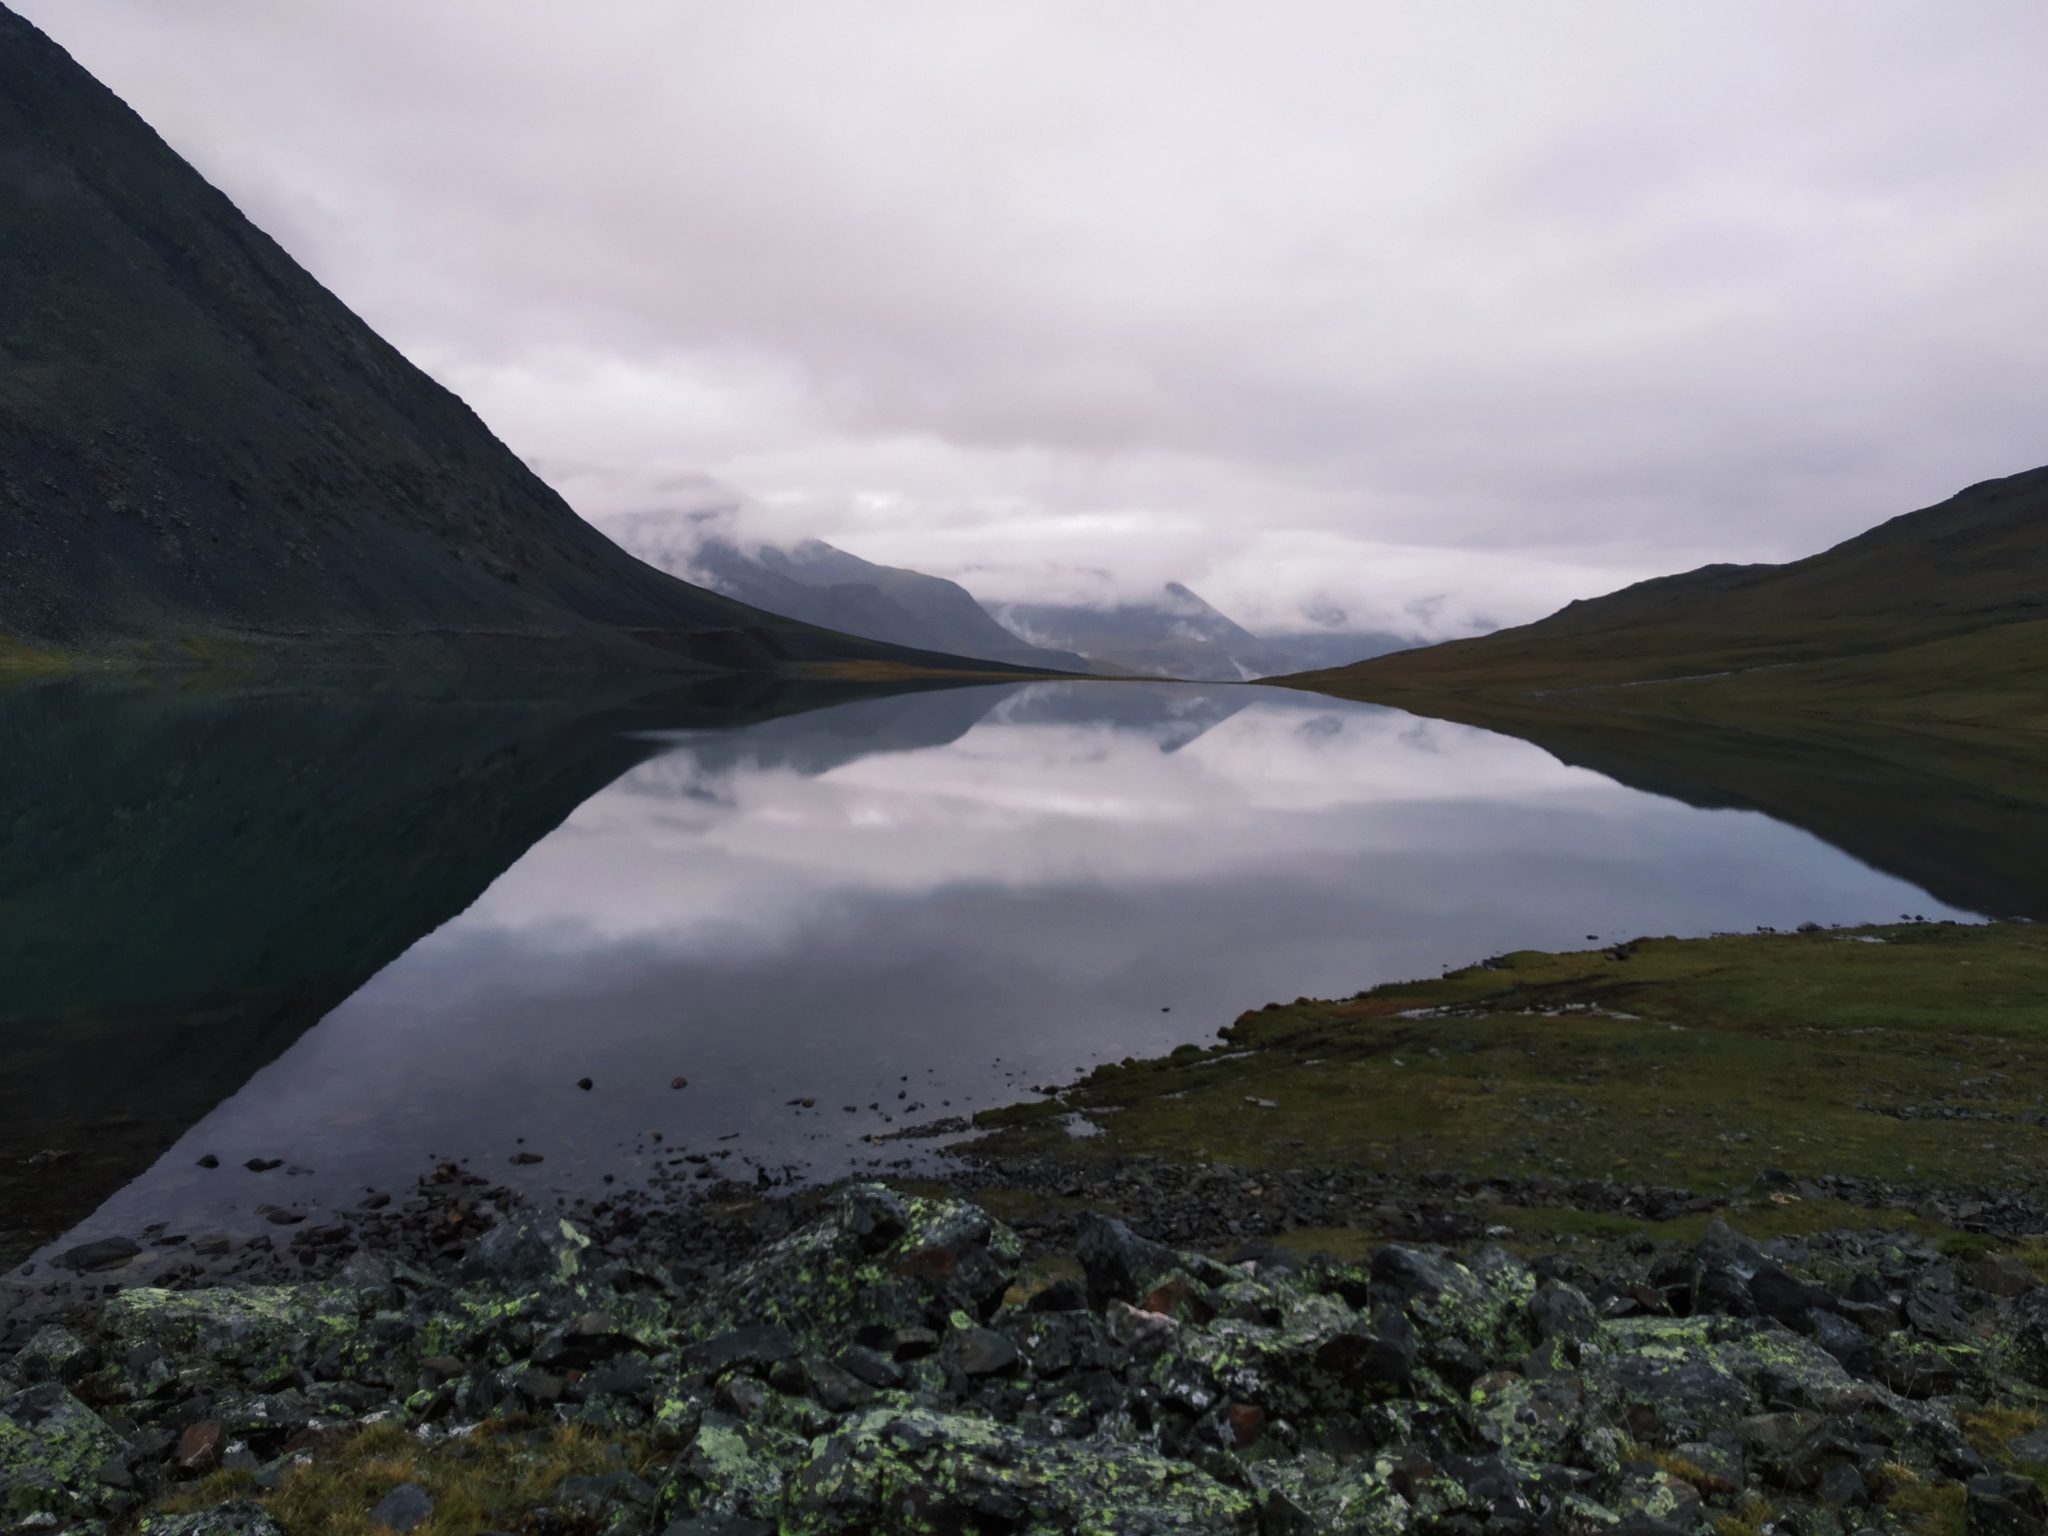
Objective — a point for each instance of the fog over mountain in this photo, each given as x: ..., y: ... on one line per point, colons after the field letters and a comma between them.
x: 1435, y: 314
x: 1168, y: 633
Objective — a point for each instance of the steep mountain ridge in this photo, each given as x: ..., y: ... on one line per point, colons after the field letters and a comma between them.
x: 204, y: 453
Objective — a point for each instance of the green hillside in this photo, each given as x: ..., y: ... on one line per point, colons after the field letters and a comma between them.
x: 1933, y: 615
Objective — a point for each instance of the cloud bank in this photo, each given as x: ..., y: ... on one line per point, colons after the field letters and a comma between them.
x: 1429, y: 315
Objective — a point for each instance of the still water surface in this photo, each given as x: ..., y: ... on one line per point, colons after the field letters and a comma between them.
x: 907, y: 911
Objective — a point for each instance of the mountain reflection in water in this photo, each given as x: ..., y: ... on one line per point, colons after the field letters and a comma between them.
x: 904, y: 907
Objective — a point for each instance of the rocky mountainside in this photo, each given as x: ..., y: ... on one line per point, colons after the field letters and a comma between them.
x: 205, y: 454
x: 818, y: 584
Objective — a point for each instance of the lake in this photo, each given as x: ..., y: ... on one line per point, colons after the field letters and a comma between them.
x: 359, y: 934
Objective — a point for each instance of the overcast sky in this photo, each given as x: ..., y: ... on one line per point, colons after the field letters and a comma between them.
x: 1419, y: 316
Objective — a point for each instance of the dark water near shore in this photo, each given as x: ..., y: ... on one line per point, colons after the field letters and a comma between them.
x: 914, y: 906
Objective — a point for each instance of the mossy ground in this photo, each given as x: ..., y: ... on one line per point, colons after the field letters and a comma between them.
x: 1694, y: 1063
x: 486, y: 1480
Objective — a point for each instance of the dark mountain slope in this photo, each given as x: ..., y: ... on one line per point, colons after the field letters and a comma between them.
x: 202, y: 451
x: 1976, y: 562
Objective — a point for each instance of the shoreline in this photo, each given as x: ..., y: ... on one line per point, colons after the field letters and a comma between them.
x: 1089, y: 1332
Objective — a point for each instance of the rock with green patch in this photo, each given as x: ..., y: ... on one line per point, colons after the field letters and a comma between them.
x: 242, y: 1517
x: 55, y: 1354
x: 52, y: 1452
x: 227, y: 1340
x: 1484, y: 1305
x: 880, y: 1265
x: 919, y: 1470
x: 1664, y: 1380
x: 731, y: 1468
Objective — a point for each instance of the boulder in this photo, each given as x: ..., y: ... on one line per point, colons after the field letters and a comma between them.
x: 916, y: 1469
x: 2001, y: 1504
x: 876, y: 1270
x: 241, y: 1517
x: 55, y: 1354
x: 52, y: 1449
x: 530, y: 1248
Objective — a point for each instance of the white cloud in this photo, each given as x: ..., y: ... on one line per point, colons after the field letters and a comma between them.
x: 1311, y: 305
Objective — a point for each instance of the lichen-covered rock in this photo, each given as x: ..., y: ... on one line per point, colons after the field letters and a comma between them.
x: 731, y: 1468
x: 52, y: 1452
x: 226, y: 1340
x: 1484, y: 1306
x: 530, y: 1249
x: 873, y: 1372
x: 919, y: 1470
x: 243, y: 1517
x: 881, y: 1266
x: 1663, y: 1380
x: 55, y: 1354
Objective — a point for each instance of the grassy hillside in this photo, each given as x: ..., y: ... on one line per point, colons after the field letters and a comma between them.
x: 1935, y: 615
x: 1889, y: 694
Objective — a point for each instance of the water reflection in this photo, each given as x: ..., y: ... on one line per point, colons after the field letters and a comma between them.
x: 913, y: 907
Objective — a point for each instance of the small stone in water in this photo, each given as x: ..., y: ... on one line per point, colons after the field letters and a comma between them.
x: 523, y: 1158
x: 585, y: 1084
x: 679, y: 1082
x: 209, y: 1161
x: 263, y: 1164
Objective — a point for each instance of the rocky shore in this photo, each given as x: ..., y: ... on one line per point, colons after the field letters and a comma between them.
x: 866, y: 1359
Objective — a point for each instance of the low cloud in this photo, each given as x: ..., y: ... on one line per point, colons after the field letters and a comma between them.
x: 1449, y: 311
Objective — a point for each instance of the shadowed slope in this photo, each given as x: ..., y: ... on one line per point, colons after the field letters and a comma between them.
x: 1975, y: 562
x: 204, y: 453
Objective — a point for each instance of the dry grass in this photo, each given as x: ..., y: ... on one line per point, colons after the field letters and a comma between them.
x: 486, y: 1480
x: 1929, y: 1509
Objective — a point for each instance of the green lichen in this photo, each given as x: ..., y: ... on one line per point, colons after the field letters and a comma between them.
x: 51, y: 1449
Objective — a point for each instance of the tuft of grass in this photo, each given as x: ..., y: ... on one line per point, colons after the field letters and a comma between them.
x: 1748, y: 1519
x: 1990, y: 1427
x: 1929, y: 1509
x: 486, y: 1480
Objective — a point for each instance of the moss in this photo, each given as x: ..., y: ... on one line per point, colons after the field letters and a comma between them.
x: 1920, y: 1059
x: 51, y: 1446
